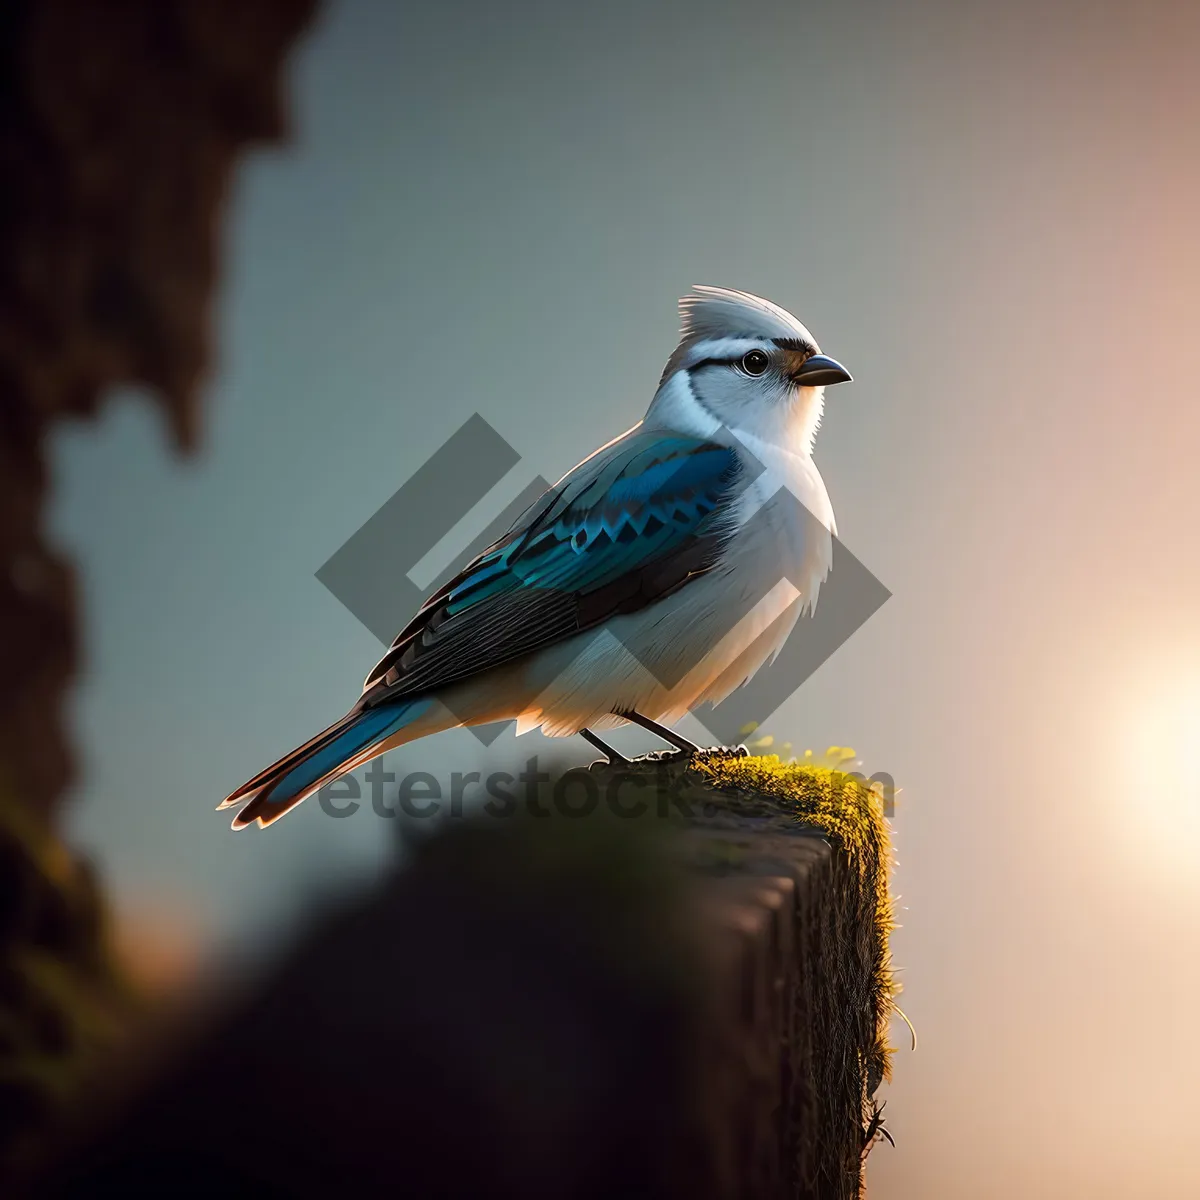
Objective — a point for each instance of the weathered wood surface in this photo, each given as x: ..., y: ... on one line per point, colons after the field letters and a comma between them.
x: 769, y: 907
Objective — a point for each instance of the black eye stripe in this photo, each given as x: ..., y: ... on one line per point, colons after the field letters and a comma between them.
x: 714, y: 362
x: 720, y: 362
x: 797, y: 345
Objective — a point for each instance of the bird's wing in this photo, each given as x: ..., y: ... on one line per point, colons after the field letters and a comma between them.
x: 626, y: 527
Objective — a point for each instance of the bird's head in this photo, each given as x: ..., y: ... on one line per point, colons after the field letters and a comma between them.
x: 748, y: 365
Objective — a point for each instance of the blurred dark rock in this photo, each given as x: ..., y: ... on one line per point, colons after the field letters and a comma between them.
x: 120, y: 125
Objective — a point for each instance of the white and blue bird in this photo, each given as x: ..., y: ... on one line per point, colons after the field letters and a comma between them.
x: 610, y: 599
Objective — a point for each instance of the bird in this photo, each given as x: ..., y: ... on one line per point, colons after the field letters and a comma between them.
x: 660, y: 572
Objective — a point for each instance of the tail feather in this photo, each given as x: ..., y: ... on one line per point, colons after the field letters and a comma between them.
x: 288, y: 760
x: 346, y: 744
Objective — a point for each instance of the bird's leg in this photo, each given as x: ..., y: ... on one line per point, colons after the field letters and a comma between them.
x: 668, y: 735
x: 614, y: 759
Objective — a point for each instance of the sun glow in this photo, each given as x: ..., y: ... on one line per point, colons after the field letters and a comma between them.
x: 1164, y: 764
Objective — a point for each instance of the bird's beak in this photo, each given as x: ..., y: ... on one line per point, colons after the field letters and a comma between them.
x: 820, y: 371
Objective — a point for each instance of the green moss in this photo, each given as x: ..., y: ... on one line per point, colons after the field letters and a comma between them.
x: 850, y: 813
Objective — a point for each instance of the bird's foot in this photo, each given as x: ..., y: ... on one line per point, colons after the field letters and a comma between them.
x: 612, y: 757
x: 668, y: 735
x: 683, y: 751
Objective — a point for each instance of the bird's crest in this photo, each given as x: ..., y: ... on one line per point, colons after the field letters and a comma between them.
x: 715, y: 312
x: 712, y: 314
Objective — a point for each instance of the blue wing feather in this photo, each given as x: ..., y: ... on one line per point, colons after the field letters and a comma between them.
x: 648, y: 499
x: 647, y: 491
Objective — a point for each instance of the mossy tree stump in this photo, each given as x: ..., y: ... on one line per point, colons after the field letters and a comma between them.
x: 797, y: 862
x: 684, y: 1007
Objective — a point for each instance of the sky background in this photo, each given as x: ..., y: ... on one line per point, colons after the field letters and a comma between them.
x: 988, y: 212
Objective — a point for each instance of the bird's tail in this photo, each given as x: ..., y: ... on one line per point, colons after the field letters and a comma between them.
x: 357, y: 738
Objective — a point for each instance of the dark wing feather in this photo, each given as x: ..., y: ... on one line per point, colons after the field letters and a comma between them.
x: 625, y: 528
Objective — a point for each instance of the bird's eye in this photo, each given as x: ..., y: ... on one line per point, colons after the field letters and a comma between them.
x: 755, y: 362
